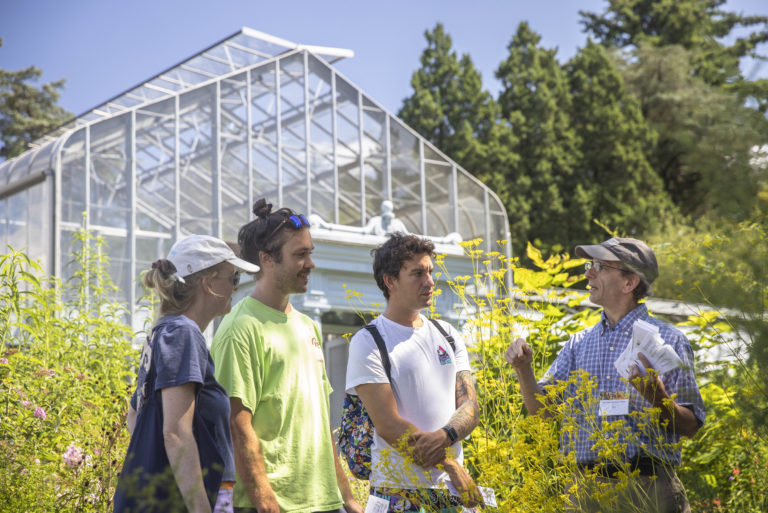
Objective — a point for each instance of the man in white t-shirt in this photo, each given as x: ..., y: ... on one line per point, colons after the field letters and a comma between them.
x: 430, y: 405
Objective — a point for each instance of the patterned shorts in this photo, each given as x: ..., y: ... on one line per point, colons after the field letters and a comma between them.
x: 426, y: 500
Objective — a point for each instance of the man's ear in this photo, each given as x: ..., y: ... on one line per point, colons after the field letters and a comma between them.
x: 265, y: 259
x: 631, y: 282
x: 389, y: 281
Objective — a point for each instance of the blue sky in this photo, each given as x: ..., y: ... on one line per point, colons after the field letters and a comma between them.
x: 105, y: 47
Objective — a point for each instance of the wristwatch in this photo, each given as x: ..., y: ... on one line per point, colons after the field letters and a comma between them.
x: 452, y: 435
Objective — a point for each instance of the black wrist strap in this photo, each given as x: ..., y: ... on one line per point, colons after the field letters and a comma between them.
x: 452, y: 435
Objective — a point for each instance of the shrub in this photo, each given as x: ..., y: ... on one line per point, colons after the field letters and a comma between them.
x: 65, y: 374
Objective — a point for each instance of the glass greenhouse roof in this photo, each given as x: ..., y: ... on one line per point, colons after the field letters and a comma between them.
x: 238, y: 51
x: 191, y: 149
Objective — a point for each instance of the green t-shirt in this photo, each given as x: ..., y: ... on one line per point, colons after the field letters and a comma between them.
x: 274, y: 363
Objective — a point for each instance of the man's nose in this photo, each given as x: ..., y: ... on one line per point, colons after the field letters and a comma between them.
x: 310, y: 264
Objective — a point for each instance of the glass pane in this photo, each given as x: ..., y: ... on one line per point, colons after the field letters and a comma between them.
x: 263, y: 132
x: 374, y: 158
x: 3, y: 226
x: 39, y: 205
x: 234, y: 155
x: 73, y: 178
x: 321, y: 141
x: 196, y: 161
x: 471, y: 206
x: 498, y: 232
x: 110, y: 173
x: 18, y: 235
x: 42, y: 159
x: 156, y: 168
x: 430, y: 154
x: 406, y: 176
x: 348, y: 154
x: 69, y: 265
x: 293, y: 133
x: 116, y: 249
x: 439, y: 199
x: 148, y: 249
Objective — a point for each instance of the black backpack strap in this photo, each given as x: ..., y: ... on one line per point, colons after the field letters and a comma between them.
x: 445, y: 334
x: 382, y: 349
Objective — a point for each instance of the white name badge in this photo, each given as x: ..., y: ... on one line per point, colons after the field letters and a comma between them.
x: 376, y: 505
x: 489, y: 496
x: 610, y: 407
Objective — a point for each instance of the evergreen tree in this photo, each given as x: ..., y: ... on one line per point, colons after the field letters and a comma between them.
x: 450, y: 108
x: 697, y: 25
x: 27, y: 112
x: 547, y: 203
x: 620, y: 184
x: 705, y: 135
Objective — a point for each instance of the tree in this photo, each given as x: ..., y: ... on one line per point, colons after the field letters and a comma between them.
x: 27, y: 112
x: 547, y: 196
x: 705, y: 134
x: 450, y: 108
x: 621, y: 186
x: 696, y: 25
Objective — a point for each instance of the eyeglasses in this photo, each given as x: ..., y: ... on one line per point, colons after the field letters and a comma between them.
x: 233, y: 278
x: 599, y: 266
x: 297, y: 220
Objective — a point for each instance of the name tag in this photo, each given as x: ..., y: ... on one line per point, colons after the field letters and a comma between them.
x: 610, y: 407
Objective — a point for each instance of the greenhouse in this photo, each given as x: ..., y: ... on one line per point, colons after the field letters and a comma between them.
x: 190, y: 150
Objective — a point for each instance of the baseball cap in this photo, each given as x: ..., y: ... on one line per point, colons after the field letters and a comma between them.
x: 633, y: 253
x: 197, y: 252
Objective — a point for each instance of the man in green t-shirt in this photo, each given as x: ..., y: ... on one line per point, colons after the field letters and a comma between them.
x: 269, y: 358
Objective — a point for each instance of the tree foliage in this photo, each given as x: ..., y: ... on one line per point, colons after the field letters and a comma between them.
x: 535, y: 103
x: 705, y: 135
x: 696, y: 25
x: 450, y: 108
x: 27, y: 112
x: 621, y: 186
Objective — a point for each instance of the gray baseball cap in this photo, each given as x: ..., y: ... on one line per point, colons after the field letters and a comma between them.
x: 633, y: 253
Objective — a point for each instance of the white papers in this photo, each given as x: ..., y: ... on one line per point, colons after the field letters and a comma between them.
x: 376, y: 505
x: 646, y: 340
x: 489, y: 496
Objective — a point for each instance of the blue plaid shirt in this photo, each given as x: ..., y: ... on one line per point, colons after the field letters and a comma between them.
x: 595, y: 350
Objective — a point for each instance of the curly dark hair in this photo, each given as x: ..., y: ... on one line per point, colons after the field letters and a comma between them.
x: 259, y: 234
x: 390, y: 257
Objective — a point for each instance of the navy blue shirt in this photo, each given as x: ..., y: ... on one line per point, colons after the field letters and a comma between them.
x: 180, y: 355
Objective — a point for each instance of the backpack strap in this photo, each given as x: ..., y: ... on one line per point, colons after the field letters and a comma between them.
x: 382, y: 349
x: 447, y: 336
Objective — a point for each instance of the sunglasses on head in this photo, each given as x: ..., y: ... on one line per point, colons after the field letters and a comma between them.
x: 297, y: 220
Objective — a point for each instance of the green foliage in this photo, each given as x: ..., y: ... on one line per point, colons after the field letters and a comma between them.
x: 535, y: 103
x: 621, y: 187
x: 451, y: 109
x: 27, y: 112
x: 724, y: 466
x: 65, y: 374
x: 697, y: 25
x: 705, y: 135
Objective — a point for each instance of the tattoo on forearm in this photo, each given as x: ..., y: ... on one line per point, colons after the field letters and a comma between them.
x: 467, y: 414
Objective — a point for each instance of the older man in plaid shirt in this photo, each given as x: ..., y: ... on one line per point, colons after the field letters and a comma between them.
x: 620, y: 275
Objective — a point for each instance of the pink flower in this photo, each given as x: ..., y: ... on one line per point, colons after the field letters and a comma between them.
x: 40, y: 413
x: 4, y: 361
x: 73, y: 456
x: 25, y: 404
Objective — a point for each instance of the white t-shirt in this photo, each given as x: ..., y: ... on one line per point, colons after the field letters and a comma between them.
x: 423, y: 368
